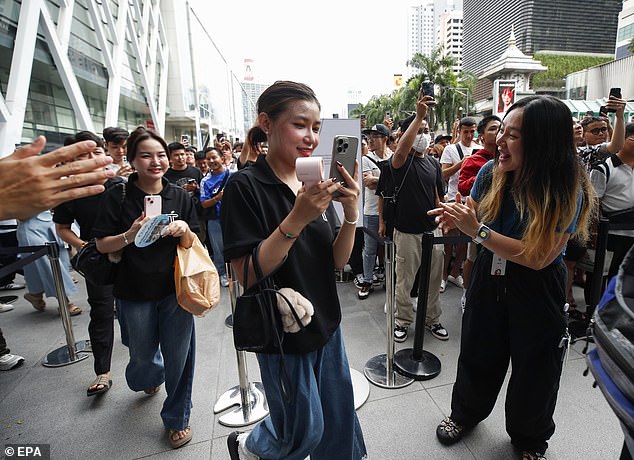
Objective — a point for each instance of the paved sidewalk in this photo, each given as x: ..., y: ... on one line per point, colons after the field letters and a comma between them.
x: 49, y: 405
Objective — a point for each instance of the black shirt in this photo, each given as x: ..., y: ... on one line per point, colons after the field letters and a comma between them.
x: 143, y: 273
x: 84, y: 210
x: 417, y: 194
x: 181, y: 178
x: 254, y: 203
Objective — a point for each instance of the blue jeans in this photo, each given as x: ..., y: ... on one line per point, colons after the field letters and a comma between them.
x: 215, y: 239
x: 370, y: 247
x: 162, y: 345
x: 321, y: 419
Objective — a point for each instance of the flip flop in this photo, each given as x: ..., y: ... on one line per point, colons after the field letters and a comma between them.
x: 8, y: 298
x: 100, y: 380
x: 180, y: 442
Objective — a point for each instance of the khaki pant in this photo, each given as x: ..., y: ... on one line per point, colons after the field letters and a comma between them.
x: 408, y: 258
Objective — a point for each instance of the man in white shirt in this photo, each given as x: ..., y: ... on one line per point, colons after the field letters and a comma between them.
x: 451, y: 161
x: 378, y: 136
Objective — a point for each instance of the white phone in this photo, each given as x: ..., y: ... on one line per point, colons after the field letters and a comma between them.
x: 153, y: 205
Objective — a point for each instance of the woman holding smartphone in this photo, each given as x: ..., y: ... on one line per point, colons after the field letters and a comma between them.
x: 157, y: 331
x: 266, y: 205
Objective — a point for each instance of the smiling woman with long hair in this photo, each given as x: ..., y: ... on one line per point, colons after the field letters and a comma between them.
x: 522, y: 211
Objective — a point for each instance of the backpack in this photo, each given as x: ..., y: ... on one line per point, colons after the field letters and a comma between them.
x: 612, y: 361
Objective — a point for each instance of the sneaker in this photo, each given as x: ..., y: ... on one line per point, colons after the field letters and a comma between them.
x: 358, y: 280
x: 400, y: 334
x: 379, y: 272
x: 376, y: 281
x: 11, y: 287
x: 438, y: 331
x: 4, y: 307
x: 443, y: 285
x: 365, y: 290
x: 9, y: 361
x: 233, y: 445
x: 448, y: 432
x: 224, y: 282
x: 457, y: 281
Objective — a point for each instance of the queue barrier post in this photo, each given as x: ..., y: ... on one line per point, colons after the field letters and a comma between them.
x: 248, y: 396
x: 380, y: 369
x: 73, y: 351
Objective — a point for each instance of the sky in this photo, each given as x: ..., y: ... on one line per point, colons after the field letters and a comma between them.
x: 332, y: 46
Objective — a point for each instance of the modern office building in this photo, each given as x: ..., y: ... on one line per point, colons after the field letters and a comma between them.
x: 625, y: 33
x: 565, y: 26
x: 450, y: 36
x: 87, y: 64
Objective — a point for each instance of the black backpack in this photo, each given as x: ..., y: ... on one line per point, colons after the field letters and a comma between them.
x: 612, y: 361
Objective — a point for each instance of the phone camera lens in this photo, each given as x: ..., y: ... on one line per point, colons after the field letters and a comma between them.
x: 340, y: 141
x: 339, y: 149
x: 345, y: 146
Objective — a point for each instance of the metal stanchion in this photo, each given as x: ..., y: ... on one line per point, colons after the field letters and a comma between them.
x: 415, y: 362
x: 380, y: 369
x: 73, y: 351
x: 248, y: 396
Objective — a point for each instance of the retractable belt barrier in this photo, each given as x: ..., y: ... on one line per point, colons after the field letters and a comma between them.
x: 249, y: 397
x: 73, y: 351
x: 416, y: 362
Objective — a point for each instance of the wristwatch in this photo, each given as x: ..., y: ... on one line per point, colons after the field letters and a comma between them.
x: 483, y: 234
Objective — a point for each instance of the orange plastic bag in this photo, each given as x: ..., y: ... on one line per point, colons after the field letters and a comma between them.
x: 196, y: 279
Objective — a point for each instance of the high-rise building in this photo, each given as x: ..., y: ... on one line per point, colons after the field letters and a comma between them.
x: 625, y: 33
x: 423, y: 25
x: 450, y: 36
x: 561, y: 27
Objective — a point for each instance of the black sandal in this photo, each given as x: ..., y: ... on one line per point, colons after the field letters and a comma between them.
x: 448, y: 432
x: 532, y: 455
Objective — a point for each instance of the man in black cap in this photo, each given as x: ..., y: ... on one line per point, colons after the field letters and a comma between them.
x: 378, y: 136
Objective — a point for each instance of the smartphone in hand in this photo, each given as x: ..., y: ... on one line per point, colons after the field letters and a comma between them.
x: 153, y: 205
x: 615, y: 92
x: 344, y: 151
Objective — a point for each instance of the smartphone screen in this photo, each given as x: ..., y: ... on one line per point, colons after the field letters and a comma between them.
x: 153, y: 205
x: 344, y: 151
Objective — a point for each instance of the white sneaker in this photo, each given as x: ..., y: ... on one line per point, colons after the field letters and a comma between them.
x: 456, y: 281
x: 443, y: 285
x: 9, y: 361
x: 4, y: 307
x: 224, y: 282
x: 415, y: 302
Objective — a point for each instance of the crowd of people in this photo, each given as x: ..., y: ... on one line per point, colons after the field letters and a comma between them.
x: 525, y: 189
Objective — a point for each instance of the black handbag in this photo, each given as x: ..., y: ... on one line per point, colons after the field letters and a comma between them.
x: 94, y: 266
x: 257, y: 323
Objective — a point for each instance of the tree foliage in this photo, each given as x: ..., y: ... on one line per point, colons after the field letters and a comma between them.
x: 561, y: 65
x: 437, y: 68
x: 630, y: 47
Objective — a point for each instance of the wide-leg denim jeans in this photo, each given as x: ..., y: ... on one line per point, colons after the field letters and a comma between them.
x: 215, y: 240
x: 320, y: 420
x: 162, y: 344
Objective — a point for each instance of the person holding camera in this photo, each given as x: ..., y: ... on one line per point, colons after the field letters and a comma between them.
x: 522, y: 210
x: 211, y: 200
x: 266, y: 205
x: 159, y: 333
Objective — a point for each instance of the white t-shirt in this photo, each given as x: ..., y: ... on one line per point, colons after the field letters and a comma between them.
x: 616, y: 191
x: 370, y: 200
x: 450, y: 156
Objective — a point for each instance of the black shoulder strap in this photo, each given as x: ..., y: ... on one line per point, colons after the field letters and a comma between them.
x: 460, y: 150
x: 397, y: 189
x: 373, y: 161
